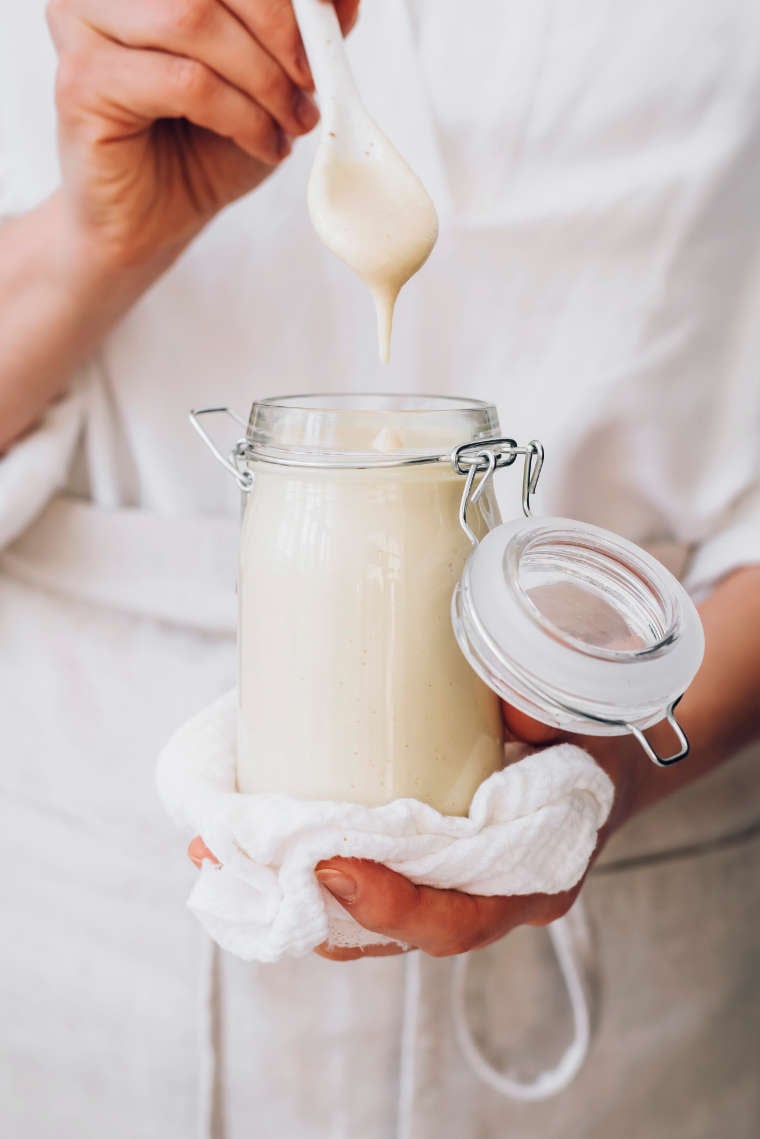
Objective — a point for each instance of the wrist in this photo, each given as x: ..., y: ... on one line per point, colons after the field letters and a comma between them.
x: 90, y: 271
x: 60, y: 293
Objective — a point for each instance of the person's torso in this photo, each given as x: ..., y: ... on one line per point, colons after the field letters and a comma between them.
x: 596, y: 170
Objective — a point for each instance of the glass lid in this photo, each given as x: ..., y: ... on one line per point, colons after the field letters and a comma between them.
x: 577, y: 626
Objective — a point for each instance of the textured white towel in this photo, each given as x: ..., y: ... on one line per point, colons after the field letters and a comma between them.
x: 531, y: 828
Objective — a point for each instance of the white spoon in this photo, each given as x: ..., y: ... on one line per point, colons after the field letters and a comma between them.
x: 368, y: 207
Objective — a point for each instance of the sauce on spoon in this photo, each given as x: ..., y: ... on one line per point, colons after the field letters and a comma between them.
x: 366, y: 204
x: 377, y: 217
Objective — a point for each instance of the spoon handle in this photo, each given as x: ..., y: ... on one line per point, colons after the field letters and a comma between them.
x: 323, y: 40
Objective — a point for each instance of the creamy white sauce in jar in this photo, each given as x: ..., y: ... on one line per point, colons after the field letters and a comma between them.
x: 352, y: 685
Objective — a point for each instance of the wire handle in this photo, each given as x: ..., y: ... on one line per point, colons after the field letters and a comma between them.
x: 242, y: 476
x: 636, y: 732
x: 488, y: 456
x: 680, y: 734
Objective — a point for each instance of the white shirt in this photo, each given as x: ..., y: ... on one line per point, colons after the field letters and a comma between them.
x: 596, y: 169
x: 597, y: 276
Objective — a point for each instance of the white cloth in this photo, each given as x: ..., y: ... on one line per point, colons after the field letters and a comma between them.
x: 532, y: 828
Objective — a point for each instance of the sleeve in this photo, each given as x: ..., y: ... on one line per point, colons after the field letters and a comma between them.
x: 733, y: 543
x: 713, y: 479
x: 34, y: 468
x: 671, y: 457
x: 726, y: 528
x: 696, y: 416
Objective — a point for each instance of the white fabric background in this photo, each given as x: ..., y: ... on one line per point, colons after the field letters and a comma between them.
x: 597, y: 276
x: 597, y: 169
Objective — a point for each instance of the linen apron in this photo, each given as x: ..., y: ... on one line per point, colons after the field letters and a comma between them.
x: 597, y: 277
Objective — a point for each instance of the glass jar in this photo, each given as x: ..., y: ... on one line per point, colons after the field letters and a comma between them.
x: 372, y: 552
x: 351, y: 682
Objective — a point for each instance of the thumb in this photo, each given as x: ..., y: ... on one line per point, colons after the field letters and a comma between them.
x: 197, y: 851
x: 523, y: 727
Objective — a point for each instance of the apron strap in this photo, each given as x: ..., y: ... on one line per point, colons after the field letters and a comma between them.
x: 569, y: 936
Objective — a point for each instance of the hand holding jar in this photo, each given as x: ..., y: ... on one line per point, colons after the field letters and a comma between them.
x: 717, y: 712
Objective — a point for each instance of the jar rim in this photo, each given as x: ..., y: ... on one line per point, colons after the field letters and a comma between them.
x: 374, y: 401
x: 364, y: 429
x: 645, y: 577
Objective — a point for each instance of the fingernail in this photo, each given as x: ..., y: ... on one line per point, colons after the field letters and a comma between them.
x: 339, y: 884
x: 306, y: 111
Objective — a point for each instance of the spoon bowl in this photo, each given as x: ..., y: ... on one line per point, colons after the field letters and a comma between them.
x: 366, y: 203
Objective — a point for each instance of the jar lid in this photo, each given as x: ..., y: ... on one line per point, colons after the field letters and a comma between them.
x: 577, y: 627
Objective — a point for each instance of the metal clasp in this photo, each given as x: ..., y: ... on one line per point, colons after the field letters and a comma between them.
x: 488, y: 456
x: 637, y: 733
x: 659, y: 760
x: 680, y: 734
x: 242, y: 475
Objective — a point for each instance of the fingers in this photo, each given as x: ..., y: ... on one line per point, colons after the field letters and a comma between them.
x: 205, y: 32
x: 522, y: 727
x: 348, y: 12
x: 440, y: 922
x: 197, y: 851
x: 130, y: 87
x: 273, y: 24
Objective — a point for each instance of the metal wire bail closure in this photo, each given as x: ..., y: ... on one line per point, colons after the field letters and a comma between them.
x: 242, y: 475
x: 488, y: 456
x: 639, y: 735
x: 680, y: 734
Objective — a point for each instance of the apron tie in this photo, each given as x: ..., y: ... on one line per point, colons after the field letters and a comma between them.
x: 570, y: 938
x: 210, y: 1113
x: 407, y: 1063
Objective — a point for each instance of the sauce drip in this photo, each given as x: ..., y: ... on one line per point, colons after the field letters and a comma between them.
x: 377, y: 217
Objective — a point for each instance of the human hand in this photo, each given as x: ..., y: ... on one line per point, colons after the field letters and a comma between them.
x: 168, y: 110
x: 447, y: 922
x: 718, y: 714
x: 439, y: 922
x: 443, y: 923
